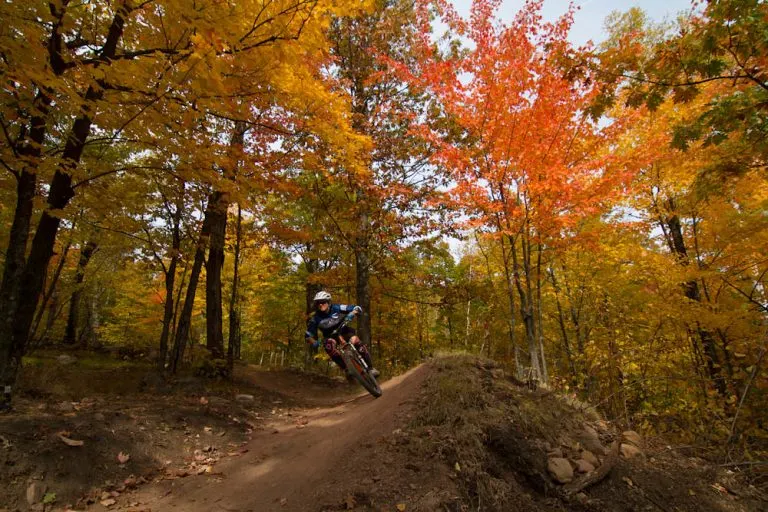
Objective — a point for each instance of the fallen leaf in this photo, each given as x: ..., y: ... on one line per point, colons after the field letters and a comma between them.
x: 108, y: 503
x: 628, y: 481
x: 122, y: 458
x: 457, y: 467
x: 719, y: 488
x: 400, y: 507
x: 203, y: 400
x: 283, y: 502
x: 70, y: 442
x: 350, y: 502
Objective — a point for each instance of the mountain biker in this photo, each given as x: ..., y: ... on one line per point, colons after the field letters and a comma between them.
x: 326, y: 317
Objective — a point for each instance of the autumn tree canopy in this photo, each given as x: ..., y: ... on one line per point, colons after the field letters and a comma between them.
x: 178, y: 179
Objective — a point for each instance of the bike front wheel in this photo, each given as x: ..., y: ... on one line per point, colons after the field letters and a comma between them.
x: 360, y: 372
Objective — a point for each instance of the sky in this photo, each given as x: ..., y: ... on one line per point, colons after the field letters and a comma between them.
x: 588, y: 22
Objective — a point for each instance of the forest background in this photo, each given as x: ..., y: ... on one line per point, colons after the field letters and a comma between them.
x: 611, y: 197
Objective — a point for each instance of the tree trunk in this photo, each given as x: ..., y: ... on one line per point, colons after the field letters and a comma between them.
x: 526, y: 308
x: 18, y: 303
x: 170, y: 279
x: 692, y: 292
x: 312, y: 266
x: 185, y: 319
x: 93, y: 318
x: 233, y: 347
x: 511, y: 299
x: 213, y: 298
x: 29, y: 150
x: 50, y: 295
x: 73, y: 320
x: 9, y: 292
x: 563, y: 330
x: 52, y: 313
x: 362, y: 273
x: 539, y: 317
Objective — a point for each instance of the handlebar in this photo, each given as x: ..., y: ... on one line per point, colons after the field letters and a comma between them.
x: 348, y: 318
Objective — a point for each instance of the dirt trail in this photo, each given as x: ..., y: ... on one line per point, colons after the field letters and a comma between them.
x: 305, y: 461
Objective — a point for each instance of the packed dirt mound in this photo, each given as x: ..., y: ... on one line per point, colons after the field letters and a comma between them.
x: 456, y: 434
x: 512, y: 448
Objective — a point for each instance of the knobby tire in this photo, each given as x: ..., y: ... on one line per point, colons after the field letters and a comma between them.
x: 360, y: 373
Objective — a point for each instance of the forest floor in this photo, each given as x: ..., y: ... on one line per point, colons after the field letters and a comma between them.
x: 453, y: 434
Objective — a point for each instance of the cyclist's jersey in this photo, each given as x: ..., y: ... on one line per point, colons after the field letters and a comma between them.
x: 327, y: 321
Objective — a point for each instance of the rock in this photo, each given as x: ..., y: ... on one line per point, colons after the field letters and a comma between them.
x: 584, y: 466
x: 633, y: 438
x: 65, y: 359
x: 629, y: 452
x: 590, y: 457
x: 35, y: 492
x: 555, y: 453
x: 589, y: 433
x: 244, y: 398
x: 591, y: 441
x: 560, y: 469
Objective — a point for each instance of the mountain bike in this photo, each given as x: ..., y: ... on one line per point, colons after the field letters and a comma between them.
x: 355, y: 363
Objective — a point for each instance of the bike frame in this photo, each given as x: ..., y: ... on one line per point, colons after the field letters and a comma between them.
x: 346, y: 345
x: 352, y: 356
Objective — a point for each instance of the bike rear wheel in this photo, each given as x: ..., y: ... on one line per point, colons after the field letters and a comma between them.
x: 357, y: 368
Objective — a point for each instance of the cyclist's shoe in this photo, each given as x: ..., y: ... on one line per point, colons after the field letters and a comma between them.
x: 374, y: 373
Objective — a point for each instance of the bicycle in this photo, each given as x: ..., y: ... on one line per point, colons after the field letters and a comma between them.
x: 356, y: 365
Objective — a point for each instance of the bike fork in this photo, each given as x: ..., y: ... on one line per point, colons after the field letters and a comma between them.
x: 360, y: 357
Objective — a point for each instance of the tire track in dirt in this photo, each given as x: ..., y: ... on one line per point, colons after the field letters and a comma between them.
x: 290, y: 467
